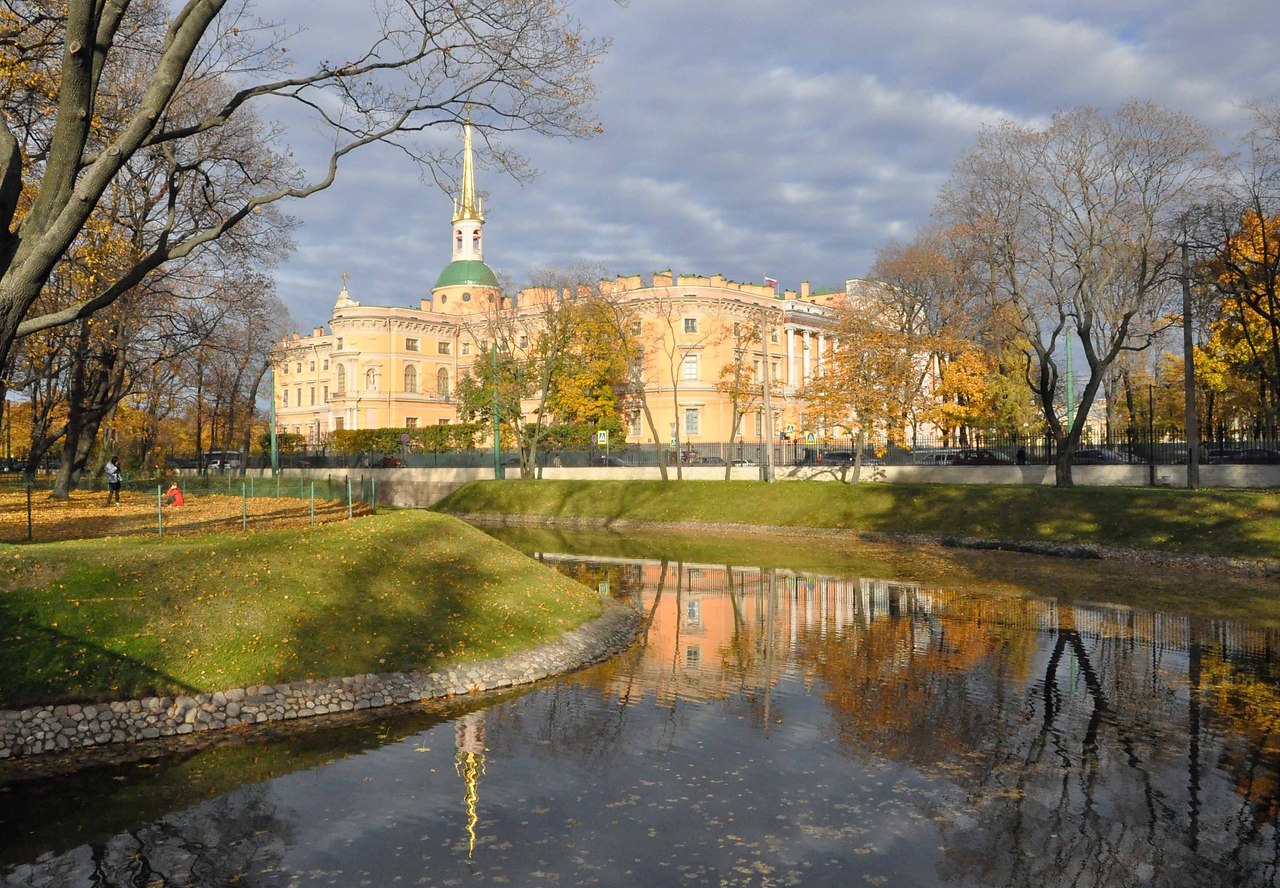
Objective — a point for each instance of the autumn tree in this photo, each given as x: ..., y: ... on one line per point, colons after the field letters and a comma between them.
x: 1236, y: 237
x: 742, y: 378
x: 519, y: 65
x: 1075, y: 231
x: 555, y: 361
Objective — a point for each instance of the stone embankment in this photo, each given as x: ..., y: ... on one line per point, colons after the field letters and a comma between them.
x: 48, y: 729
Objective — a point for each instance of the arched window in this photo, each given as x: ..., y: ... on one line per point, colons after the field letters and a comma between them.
x: 442, y: 382
x: 342, y: 379
x: 371, y: 380
x: 410, y: 379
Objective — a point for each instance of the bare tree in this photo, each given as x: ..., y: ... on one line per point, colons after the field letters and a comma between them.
x: 520, y: 64
x: 1074, y: 230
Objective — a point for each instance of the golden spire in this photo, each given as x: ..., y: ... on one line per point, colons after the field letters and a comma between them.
x: 468, y: 206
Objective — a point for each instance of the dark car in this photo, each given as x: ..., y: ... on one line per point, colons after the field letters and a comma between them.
x: 846, y: 458
x: 1249, y: 456
x: 708, y: 461
x: 1097, y: 456
x: 980, y: 457
x: 602, y: 460
x: 389, y: 462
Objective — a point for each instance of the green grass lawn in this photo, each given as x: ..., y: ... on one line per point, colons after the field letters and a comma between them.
x: 128, y: 617
x: 1236, y: 523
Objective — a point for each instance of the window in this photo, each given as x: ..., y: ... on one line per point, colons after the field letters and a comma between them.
x: 637, y: 328
x: 338, y: 424
x: 690, y: 367
x: 312, y: 368
x: 326, y: 364
x: 411, y: 422
x: 691, y: 421
x: 755, y: 371
x: 693, y: 612
x: 444, y: 347
x: 737, y: 329
x: 466, y: 297
x: 691, y: 325
x: 411, y: 379
x: 777, y: 371
x: 297, y: 396
x: 442, y: 382
x: 325, y: 394
x: 339, y: 343
x: 773, y: 336
x: 411, y: 345
x: 457, y: 239
x: 634, y: 424
x: 693, y: 655
x: 524, y: 340
x: 466, y: 348
x: 299, y: 366
x: 284, y: 397
x: 342, y: 379
x: 759, y: 423
x: 313, y: 396
x: 371, y: 380
x: 284, y: 368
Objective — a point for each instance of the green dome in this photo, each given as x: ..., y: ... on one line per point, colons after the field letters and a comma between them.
x: 466, y: 271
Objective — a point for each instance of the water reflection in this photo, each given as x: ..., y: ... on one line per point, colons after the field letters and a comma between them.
x: 773, y: 727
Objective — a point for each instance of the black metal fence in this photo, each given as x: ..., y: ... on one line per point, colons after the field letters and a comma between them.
x: 1165, y: 447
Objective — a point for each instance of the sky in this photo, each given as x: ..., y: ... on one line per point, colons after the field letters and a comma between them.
x: 782, y: 138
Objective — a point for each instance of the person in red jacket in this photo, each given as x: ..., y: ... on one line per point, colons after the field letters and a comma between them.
x: 173, y: 496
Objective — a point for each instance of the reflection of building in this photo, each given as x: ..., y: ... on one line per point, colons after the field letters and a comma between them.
x: 391, y: 366
x: 712, y: 625
x: 469, y: 764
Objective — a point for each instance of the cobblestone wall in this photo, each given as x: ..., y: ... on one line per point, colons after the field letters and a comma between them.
x: 49, y: 729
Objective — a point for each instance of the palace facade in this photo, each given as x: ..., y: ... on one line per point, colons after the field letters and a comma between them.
x: 379, y: 366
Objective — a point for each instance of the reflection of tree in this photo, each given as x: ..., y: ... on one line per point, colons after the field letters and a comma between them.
x: 220, y: 842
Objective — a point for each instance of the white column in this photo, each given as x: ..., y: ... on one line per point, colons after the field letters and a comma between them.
x: 806, y: 347
x: 791, y: 354
x: 822, y: 352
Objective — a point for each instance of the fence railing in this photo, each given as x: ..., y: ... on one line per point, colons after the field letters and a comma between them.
x: 1165, y: 447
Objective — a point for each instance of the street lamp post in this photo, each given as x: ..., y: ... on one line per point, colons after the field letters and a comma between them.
x: 1151, y: 433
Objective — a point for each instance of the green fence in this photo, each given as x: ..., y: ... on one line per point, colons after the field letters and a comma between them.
x: 29, y: 514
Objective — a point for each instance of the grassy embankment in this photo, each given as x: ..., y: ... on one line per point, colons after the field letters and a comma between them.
x: 1237, y: 523
x: 128, y: 617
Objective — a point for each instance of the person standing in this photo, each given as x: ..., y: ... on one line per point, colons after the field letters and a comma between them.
x: 112, y: 470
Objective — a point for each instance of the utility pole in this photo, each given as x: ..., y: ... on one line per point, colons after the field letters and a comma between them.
x: 275, y: 454
x: 1191, y: 420
x: 768, y: 404
x: 497, y: 453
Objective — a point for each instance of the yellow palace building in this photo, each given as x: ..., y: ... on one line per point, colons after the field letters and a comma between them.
x: 397, y: 367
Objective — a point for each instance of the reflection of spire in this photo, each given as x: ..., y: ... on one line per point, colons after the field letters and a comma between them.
x: 468, y: 762
x: 467, y: 206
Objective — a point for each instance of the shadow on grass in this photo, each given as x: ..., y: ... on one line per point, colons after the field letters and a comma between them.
x: 34, y: 655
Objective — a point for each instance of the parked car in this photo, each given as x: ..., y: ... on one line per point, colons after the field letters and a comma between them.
x: 744, y: 462
x: 1250, y: 456
x: 709, y: 461
x: 980, y: 457
x: 389, y: 462
x: 602, y: 460
x: 1097, y: 456
x: 941, y: 456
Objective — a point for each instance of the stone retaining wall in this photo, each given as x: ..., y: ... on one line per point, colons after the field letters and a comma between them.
x: 47, y: 729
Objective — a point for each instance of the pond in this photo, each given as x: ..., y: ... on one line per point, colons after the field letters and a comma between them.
x: 792, y: 715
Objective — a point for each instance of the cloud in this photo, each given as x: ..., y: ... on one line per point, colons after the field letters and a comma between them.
x: 748, y: 137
